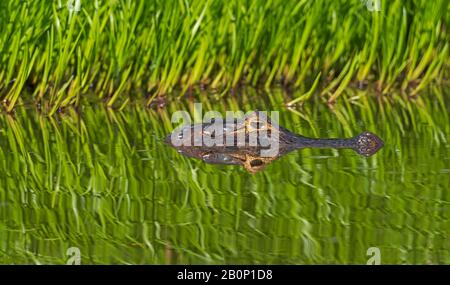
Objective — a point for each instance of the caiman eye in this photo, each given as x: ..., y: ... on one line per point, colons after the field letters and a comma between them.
x: 258, y: 125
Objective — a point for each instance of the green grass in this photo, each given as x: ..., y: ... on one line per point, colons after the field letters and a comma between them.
x: 122, y: 50
x: 132, y: 199
x: 119, y: 50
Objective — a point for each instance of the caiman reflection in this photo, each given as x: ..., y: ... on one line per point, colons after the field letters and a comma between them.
x: 258, y: 135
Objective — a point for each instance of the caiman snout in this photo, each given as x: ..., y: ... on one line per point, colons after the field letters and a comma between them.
x: 367, y: 143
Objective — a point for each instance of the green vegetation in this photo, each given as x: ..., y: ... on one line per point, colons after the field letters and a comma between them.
x: 58, y: 53
x: 103, y: 181
x: 99, y: 177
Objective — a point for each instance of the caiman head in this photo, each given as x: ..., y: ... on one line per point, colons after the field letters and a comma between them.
x: 247, y: 141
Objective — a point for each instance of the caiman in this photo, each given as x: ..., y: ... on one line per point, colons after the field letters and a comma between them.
x: 255, y: 141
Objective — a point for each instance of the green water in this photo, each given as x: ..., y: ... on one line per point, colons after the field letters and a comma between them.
x: 103, y: 181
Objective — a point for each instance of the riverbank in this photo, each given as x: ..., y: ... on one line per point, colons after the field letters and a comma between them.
x: 53, y: 53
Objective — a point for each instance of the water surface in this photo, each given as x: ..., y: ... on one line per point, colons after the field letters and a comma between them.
x: 103, y: 181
